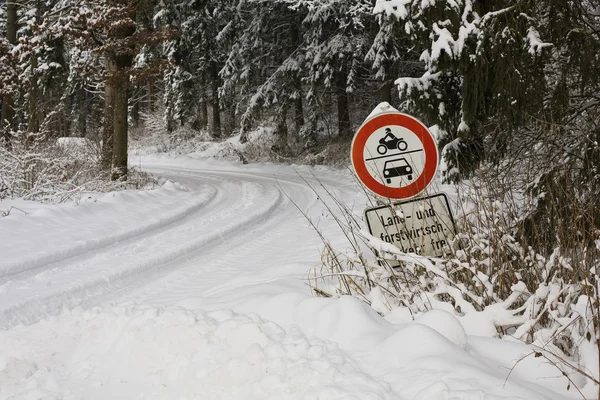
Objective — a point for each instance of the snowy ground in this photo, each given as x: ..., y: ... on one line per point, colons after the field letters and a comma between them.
x: 197, y: 290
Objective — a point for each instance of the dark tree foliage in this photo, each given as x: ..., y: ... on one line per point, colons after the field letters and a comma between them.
x: 514, y: 83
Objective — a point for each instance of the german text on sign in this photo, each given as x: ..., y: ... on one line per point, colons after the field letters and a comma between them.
x: 422, y: 226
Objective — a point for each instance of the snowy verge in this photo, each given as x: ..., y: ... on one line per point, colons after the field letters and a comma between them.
x: 48, y: 234
x: 328, y: 349
x: 427, y: 359
x: 145, y: 352
x: 247, y: 250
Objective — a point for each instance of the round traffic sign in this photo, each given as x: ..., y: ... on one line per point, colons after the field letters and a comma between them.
x: 394, y: 155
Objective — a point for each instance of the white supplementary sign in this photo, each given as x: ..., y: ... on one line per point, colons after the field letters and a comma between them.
x: 422, y: 226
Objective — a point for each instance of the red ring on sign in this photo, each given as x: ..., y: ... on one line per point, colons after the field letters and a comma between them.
x: 429, y: 147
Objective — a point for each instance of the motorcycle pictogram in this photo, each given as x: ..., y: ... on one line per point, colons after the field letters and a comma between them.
x: 390, y: 142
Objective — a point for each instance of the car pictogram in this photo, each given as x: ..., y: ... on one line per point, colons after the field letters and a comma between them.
x: 397, y: 167
x: 390, y: 142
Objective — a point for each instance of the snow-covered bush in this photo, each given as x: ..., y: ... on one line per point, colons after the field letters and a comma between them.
x: 262, y: 144
x: 57, y: 172
x: 494, y: 279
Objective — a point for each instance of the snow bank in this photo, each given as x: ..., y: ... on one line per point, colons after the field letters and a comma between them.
x: 48, y: 233
x: 143, y: 352
x: 429, y: 358
x: 446, y: 325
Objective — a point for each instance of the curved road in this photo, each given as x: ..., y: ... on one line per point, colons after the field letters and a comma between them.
x: 237, y: 221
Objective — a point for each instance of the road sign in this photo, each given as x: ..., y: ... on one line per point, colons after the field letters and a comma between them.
x: 394, y: 155
x: 422, y: 226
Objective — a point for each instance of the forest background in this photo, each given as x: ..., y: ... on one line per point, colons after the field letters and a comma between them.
x: 511, y: 86
x: 495, y: 77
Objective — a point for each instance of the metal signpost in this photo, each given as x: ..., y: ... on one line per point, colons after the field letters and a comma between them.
x: 396, y: 157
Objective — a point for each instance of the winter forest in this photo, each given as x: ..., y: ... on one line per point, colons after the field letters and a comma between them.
x: 497, y: 78
x: 511, y: 89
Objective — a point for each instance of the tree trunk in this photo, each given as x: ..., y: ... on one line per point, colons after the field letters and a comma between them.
x: 135, y: 108
x: 8, y: 114
x: 343, y: 112
x: 203, y: 106
x: 62, y: 122
x: 216, y: 112
x: 282, y: 130
x: 298, y: 109
x: 150, y: 96
x: 65, y: 116
x: 385, y: 91
x: 119, y: 162
x: 203, y: 115
x: 12, y: 21
x: 33, y: 124
x: 281, y: 146
x: 82, y: 115
x: 6, y: 122
x: 107, y: 128
x: 123, y: 60
x: 297, y: 82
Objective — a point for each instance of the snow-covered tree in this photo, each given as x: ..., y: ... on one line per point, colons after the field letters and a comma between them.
x: 198, y: 57
x: 512, y: 82
x: 336, y: 49
x: 34, y: 70
x: 265, y: 64
x: 390, y: 54
x: 8, y: 74
x: 483, y: 70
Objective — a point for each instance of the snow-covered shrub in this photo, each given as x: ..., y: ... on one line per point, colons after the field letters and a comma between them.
x: 151, y: 136
x: 79, y: 148
x: 494, y: 277
x: 259, y: 145
x: 55, y: 172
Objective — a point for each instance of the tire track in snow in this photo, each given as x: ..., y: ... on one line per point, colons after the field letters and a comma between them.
x: 205, y: 205
x: 98, y: 243
x: 227, y: 260
x: 249, y: 213
x: 284, y: 240
x: 81, y: 283
x: 218, y: 270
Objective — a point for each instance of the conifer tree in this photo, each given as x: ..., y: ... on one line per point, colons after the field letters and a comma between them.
x: 515, y: 83
x: 8, y: 75
x: 198, y: 57
x: 336, y: 49
x: 268, y: 72
x: 467, y: 94
x: 390, y: 54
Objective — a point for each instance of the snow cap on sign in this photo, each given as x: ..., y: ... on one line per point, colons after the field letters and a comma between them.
x: 383, y: 107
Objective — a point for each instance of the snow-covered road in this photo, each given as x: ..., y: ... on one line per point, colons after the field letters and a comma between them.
x: 197, y: 290
x: 214, y: 224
